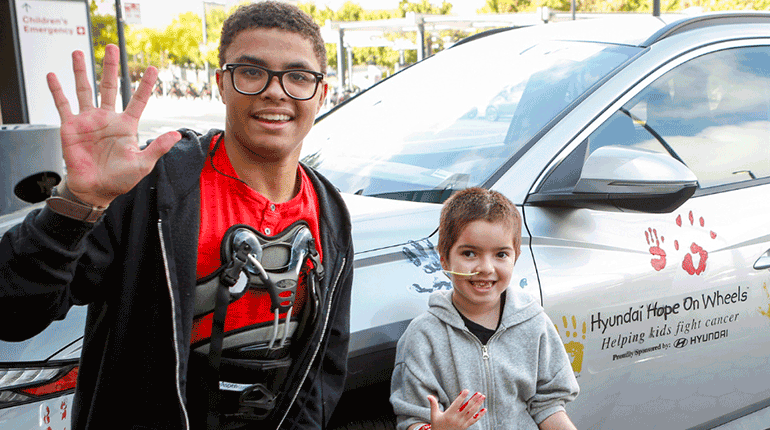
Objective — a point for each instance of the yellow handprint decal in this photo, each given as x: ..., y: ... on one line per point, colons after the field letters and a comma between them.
x: 762, y: 310
x: 575, y: 347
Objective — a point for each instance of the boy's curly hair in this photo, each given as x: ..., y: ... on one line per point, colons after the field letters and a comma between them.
x: 473, y: 204
x: 272, y: 14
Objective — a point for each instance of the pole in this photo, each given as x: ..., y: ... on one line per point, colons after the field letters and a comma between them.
x: 349, y: 51
x: 125, y: 80
x: 420, y: 38
x: 655, y: 7
x: 205, y: 43
x: 341, y: 60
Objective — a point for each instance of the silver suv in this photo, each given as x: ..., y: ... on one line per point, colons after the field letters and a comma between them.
x: 637, y: 149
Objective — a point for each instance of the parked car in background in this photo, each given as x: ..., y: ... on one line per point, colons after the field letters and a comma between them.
x: 639, y: 155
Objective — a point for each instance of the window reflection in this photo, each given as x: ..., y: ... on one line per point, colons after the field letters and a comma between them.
x: 713, y: 112
x: 451, y: 121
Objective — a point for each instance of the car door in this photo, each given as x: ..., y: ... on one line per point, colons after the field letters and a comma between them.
x: 664, y: 307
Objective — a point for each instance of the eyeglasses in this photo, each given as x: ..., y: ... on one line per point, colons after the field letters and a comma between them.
x: 249, y: 79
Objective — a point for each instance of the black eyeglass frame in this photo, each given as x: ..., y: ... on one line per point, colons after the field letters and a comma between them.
x: 270, y: 73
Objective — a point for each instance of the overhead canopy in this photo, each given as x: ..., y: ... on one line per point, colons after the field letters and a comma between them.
x: 371, y: 33
x: 350, y: 34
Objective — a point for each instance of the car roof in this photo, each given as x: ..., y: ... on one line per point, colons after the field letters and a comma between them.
x: 640, y: 30
x: 708, y: 20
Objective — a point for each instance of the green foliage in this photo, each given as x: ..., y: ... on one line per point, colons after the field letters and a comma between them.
x: 610, y: 6
x: 506, y: 6
x: 424, y: 6
x: 184, y: 36
x: 381, y: 56
x: 181, y: 42
x: 104, y: 30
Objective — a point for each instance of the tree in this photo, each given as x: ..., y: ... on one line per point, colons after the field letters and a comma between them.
x: 184, y: 36
x: 610, y: 6
x: 424, y: 6
x: 104, y: 30
x: 506, y: 6
x: 215, y: 18
x: 350, y: 11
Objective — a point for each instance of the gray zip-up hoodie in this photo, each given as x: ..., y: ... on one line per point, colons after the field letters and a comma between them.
x: 523, y: 371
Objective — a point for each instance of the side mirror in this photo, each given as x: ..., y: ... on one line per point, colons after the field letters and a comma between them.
x: 623, y: 178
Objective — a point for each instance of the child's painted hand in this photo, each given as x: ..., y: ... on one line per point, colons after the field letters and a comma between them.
x: 459, y: 415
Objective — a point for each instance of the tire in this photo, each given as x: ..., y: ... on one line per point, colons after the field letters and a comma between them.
x: 375, y: 423
x: 366, y: 408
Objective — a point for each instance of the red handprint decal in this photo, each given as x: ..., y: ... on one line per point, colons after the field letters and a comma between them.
x: 688, y: 261
x: 659, y: 262
x: 695, y: 249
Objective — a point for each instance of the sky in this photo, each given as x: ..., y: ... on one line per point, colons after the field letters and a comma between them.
x: 160, y: 13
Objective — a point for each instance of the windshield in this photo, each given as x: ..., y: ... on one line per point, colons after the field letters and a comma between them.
x: 452, y: 120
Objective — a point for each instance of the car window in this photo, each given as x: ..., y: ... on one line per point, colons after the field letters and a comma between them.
x: 711, y: 113
x: 714, y: 114
x: 451, y: 121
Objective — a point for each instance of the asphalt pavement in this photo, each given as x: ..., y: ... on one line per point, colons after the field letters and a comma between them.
x: 164, y: 114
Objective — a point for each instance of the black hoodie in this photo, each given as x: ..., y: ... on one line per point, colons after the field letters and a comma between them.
x: 135, y: 269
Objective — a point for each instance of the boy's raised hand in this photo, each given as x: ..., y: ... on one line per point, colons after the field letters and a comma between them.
x: 100, y: 146
x: 459, y: 415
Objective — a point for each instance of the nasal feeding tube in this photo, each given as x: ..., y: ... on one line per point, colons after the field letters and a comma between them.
x: 449, y: 272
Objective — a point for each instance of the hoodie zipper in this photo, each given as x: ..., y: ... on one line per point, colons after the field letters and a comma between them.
x: 318, y: 346
x: 485, y: 357
x: 173, y: 324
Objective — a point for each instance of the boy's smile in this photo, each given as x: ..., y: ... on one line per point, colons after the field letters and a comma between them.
x: 486, y: 248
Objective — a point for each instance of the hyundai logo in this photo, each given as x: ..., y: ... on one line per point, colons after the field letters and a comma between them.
x: 680, y: 343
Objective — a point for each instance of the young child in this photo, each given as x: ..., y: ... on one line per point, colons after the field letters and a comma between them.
x: 481, y: 338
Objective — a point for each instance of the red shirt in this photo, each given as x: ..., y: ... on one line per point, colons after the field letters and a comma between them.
x: 226, y: 201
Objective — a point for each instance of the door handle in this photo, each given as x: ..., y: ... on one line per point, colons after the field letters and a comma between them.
x: 763, y: 262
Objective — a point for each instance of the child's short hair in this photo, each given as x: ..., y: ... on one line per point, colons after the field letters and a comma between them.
x: 473, y: 204
x: 272, y: 14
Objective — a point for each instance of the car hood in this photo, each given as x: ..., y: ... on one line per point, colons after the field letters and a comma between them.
x: 377, y: 224
x: 60, y: 340
x: 381, y: 223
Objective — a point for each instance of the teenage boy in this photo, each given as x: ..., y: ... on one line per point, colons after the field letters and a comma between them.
x: 146, y: 239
